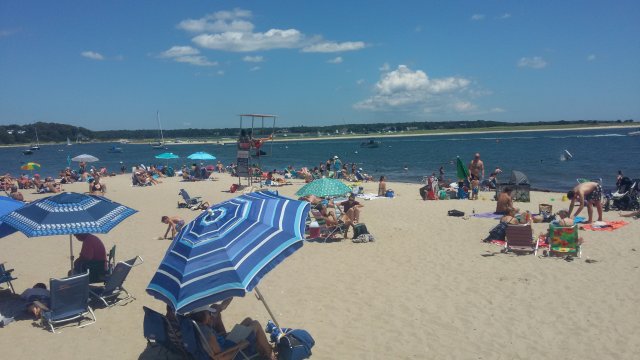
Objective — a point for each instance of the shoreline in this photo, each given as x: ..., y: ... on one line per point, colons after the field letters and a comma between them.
x: 220, y: 142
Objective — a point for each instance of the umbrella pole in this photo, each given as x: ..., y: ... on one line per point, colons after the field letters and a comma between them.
x: 261, y: 298
x: 71, y: 251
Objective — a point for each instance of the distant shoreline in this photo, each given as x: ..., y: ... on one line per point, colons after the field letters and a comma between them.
x: 279, y: 138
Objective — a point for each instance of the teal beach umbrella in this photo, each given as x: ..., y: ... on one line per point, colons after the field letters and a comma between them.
x: 167, y: 156
x: 201, y: 155
x: 324, y: 187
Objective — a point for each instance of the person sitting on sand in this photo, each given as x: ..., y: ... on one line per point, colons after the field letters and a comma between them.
x: 15, y: 194
x: 564, y: 220
x: 351, y: 210
x: 175, y: 225
x: 504, y: 201
x: 590, y: 193
x: 38, y: 293
x: 635, y: 214
x: 382, y: 186
x: 205, y: 321
x: 96, y: 187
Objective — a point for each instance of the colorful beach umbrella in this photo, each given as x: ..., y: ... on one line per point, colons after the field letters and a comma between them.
x: 324, y: 187
x: 7, y: 205
x: 461, y: 170
x: 67, y: 213
x: 201, y: 155
x: 30, y: 166
x: 85, y: 158
x: 227, y: 249
x: 167, y: 156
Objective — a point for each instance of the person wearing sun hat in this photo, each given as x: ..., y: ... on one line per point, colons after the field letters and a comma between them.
x: 337, y: 167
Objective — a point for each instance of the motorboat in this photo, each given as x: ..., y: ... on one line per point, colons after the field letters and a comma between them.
x: 371, y: 143
x: 634, y: 133
x: 114, y: 149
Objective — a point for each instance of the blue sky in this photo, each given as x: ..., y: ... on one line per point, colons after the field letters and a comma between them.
x: 112, y: 64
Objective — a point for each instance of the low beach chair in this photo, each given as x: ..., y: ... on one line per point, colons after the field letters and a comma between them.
x: 197, y: 346
x: 564, y: 241
x: 69, y: 301
x: 190, y: 201
x: 109, y: 294
x: 160, y: 333
x: 519, y: 239
x: 6, y: 277
x: 327, y: 232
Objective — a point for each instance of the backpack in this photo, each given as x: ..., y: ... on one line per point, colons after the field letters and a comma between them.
x: 359, y: 229
x: 457, y: 213
x: 295, y: 345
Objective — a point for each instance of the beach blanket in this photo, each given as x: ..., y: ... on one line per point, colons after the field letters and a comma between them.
x: 371, y: 196
x: 604, y: 225
x: 487, y: 215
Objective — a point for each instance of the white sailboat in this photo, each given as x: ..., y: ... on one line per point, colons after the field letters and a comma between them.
x: 68, y: 141
x: 159, y: 144
x: 37, y: 145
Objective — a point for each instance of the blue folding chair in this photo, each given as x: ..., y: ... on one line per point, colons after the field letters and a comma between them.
x: 188, y: 199
x: 109, y: 294
x: 160, y: 333
x: 197, y: 346
x: 6, y: 277
x: 69, y: 301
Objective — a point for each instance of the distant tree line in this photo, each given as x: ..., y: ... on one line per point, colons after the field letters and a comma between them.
x: 54, y: 132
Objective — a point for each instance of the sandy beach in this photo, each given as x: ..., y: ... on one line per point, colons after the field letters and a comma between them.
x: 427, y: 288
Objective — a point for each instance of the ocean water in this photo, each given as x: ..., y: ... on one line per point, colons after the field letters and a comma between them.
x: 596, y: 154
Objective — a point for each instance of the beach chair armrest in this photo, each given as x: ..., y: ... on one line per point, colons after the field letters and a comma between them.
x: 41, y: 305
x: 231, y: 352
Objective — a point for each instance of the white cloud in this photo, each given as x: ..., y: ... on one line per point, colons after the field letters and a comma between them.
x: 384, y: 67
x: 188, y: 55
x: 242, y: 42
x: 4, y: 33
x: 255, y: 68
x: 477, y: 17
x: 92, y: 55
x: 336, y: 60
x: 234, y: 31
x: 497, y: 110
x: 404, y: 89
x: 360, y: 81
x: 505, y: 16
x: 220, y: 72
x: 255, y: 59
x: 591, y: 57
x: 535, y: 62
x: 329, y: 47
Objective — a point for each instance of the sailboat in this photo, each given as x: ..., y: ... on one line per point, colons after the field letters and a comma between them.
x: 68, y: 141
x: 159, y: 144
x: 37, y: 145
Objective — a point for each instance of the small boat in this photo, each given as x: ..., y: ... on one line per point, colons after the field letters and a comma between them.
x: 634, y: 133
x: 370, y: 144
x: 159, y: 144
x: 114, y: 149
x: 27, y: 151
x: 68, y: 141
x: 567, y: 155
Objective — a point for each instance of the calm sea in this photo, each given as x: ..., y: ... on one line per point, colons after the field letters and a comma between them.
x: 596, y: 154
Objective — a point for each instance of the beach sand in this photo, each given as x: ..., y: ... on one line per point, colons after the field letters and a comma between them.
x: 427, y: 288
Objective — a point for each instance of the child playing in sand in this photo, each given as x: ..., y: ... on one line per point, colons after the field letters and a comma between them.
x: 175, y: 224
x: 475, y: 187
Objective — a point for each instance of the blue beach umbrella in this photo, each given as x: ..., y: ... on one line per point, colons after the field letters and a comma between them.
x: 201, y: 155
x: 67, y: 213
x: 227, y: 249
x: 167, y: 156
x: 7, y: 205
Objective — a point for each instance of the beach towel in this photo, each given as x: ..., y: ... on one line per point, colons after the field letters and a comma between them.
x: 604, y: 225
x: 487, y: 215
x: 371, y: 196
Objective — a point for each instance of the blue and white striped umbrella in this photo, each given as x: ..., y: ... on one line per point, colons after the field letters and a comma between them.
x: 226, y: 250
x: 7, y: 205
x: 67, y: 213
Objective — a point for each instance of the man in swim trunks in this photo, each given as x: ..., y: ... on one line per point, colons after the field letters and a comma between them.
x: 476, y: 166
x: 589, y: 193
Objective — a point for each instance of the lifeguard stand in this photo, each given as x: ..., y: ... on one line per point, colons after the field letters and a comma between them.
x: 249, y: 145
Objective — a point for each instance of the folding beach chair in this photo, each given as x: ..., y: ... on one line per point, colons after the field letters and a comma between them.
x: 69, y: 301
x: 327, y: 232
x: 6, y: 277
x: 519, y: 239
x: 190, y: 201
x: 109, y: 294
x: 160, y: 334
x: 563, y: 241
x: 197, y: 346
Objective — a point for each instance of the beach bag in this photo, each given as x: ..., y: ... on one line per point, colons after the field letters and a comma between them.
x: 359, y: 229
x: 390, y: 193
x: 456, y: 213
x: 364, y: 238
x: 295, y: 344
x: 233, y: 188
x: 499, y: 232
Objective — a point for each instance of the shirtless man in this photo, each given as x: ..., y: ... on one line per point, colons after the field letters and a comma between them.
x: 504, y: 202
x: 590, y: 193
x: 476, y: 166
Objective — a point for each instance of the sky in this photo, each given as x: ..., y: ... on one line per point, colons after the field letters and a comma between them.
x: 114, y: 64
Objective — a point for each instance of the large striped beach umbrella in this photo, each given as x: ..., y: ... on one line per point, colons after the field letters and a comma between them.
x: 324, y: 187
x: 67, y: 213
x: 227, y: 249
x: 7, y: 205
